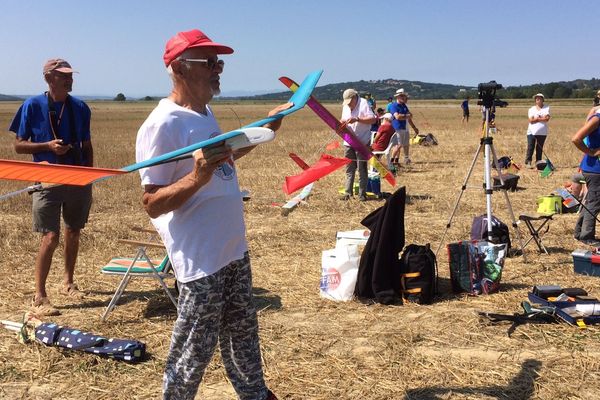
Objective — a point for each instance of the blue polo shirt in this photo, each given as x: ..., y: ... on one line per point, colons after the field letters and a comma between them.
x: 401, y: 109
x: 591, y: 163
x: 32, y: 122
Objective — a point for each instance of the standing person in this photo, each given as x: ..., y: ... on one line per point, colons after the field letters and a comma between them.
x: 465, y: 110
x: 390, y: 103
x: 55, y: 127
x: 585, y: 228
x: 539, y: 115
x: 358, y: 117
x: 196, y: 207
x: 371, y: 101
x: 596, y: 106
x: 402, y: 115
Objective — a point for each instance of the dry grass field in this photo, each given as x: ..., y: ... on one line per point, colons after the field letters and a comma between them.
x: 314, y: 348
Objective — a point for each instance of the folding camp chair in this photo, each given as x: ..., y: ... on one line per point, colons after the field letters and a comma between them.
x: 536, y: 232
x: 139, y: 266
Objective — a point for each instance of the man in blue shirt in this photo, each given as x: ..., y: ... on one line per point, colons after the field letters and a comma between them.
x: 401, y: 115
x: 54, y: 127
x: 465, y: 109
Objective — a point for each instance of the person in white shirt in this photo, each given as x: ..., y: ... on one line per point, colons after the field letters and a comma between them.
x: 539, y: 115
x: 359, y: 117
x: 196, y: 207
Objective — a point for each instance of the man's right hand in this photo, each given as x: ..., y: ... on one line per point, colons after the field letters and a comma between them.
x: 208, y: 159
x: 57, y: 147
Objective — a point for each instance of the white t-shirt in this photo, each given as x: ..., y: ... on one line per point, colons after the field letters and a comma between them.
x: 538, y: 128
x: 362, y: 110
x: 207, y: 232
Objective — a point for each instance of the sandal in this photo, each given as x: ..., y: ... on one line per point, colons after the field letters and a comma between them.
x: 71, y: 290
x: 43, y: 307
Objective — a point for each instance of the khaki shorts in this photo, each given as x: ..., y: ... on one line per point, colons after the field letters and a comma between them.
x: 74, y: 202
x: 403, y: 139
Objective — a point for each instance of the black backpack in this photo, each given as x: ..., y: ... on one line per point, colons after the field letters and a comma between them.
x: 419, y: 274
x: 500, y: 232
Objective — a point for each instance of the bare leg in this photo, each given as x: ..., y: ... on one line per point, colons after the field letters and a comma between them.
x: 71, y: 250
x: 43, y: 262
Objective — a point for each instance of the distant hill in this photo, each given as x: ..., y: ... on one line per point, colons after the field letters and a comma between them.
x: 6, y: 97
x: 382, y: 89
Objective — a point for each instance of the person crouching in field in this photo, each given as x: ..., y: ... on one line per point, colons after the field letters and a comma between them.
x: 196, y: 207
x: 585, y: 228
x: 55, y: 127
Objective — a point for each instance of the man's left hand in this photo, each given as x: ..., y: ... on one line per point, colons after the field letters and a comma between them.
x: 274, y: 125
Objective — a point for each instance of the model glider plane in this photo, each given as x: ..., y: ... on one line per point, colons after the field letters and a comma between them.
x: 342, y: 131
x: 294, y: 201
x: 326, y: 165
x: 304, y: 193
x: 248, y: 135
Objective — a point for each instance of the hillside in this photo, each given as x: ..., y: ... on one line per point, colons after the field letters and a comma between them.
x: 382, y: 89
x: 6, y: 97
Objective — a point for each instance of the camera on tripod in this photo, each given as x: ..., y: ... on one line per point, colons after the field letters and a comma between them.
x: 487, y: 95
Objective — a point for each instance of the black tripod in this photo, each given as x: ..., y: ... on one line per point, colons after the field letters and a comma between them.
x: 487, y: 143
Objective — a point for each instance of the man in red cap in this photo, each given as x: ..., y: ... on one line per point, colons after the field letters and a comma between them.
x: 55, y: 127
x: 196, y: 207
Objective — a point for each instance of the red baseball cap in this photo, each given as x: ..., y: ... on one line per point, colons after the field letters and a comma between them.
x: 57, y: 64
x: 187, y: 40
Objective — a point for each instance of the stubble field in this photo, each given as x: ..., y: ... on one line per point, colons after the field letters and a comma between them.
x: 315, y: 348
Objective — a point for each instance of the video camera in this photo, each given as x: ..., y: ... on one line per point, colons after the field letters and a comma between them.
x: 487, y: 95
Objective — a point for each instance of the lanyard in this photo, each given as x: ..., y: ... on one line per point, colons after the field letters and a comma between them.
x: 51, y: 112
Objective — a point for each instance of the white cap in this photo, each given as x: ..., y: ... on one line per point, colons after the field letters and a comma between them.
x: 386, y: 116
x: 400, y: 92
x: 538, y: 95
x: 348, y: 96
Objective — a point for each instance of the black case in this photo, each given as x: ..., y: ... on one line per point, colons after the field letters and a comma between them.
x: 510, y: 182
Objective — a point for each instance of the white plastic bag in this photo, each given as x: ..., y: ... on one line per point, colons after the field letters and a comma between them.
x: 339, y: 269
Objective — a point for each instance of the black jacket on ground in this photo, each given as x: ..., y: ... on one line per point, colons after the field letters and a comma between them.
x: 380, y: 268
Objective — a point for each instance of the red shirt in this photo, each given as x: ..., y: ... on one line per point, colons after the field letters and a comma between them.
x: 383, y: 136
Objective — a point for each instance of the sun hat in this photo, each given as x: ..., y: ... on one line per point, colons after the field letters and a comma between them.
x: 190, y: 39
x: 400, y: 92
x: 348, y: 96
x: 538, y: 95
x: 386, y: 116
x: 57, y: 64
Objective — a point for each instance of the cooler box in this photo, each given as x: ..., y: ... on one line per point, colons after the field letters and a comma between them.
x: 358, y: 237
x: 374, y: 185
x: 549, y: 205
x: 586, y: 263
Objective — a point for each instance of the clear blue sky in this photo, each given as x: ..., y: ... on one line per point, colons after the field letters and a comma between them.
x: 117, y: 46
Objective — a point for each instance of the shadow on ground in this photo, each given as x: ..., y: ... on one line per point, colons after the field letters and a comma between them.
x: 521, y: 387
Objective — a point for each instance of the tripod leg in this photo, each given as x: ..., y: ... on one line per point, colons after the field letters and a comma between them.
x: 508, y: 205
x: 460, y: 194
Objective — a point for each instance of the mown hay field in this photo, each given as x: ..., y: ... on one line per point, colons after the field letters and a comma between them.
x: 315, y: 348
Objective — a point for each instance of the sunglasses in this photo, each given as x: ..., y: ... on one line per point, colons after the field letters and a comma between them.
x: 211, y: 63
